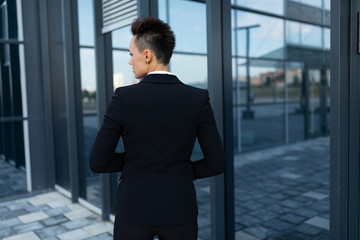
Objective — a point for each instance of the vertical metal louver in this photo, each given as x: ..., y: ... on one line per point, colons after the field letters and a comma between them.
x: 118, y: 13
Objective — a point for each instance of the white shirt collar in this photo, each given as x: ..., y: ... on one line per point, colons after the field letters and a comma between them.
x: 160, y: 72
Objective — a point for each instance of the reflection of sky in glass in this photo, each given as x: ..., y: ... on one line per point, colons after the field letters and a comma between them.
x: 327, y: 4
x: 123, y: 74
x: 87, y: 69
x: 188, y: 21
x: 303, y: 34
x: 273, y: 6
x: 292, y: 32
x: 310, y: 35
x: 327, y: 38
x: 264, y: 39
x: 162, y: 10
x: 190, y: 69
x: 121, y: 37
x: 86, y: 22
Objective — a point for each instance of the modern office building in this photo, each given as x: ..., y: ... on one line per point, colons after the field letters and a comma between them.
x: 266, y: 64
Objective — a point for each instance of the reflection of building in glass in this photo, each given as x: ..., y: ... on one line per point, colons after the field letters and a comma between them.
x: 286, y: 48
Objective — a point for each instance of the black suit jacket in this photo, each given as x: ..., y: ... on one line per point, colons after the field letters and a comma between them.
x: 159, y: 120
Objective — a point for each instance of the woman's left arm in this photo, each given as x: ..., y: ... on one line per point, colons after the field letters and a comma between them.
x: 103, y: 158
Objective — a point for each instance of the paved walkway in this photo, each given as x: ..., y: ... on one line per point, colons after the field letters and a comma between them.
x: 280, y: 194
x: 12, y: 180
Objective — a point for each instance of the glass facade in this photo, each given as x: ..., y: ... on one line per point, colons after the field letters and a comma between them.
x: 90, y: 182
x: 280, y: 91
x: 12, y: 112
x: 280, y: 96
x: 271, y: 57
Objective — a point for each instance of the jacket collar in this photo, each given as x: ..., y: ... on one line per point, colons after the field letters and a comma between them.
x: 161, y: 78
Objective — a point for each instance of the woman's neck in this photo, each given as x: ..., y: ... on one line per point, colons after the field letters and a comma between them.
x: 158, y: 67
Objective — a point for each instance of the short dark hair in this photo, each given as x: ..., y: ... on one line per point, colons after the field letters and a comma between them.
x: 154, y: 34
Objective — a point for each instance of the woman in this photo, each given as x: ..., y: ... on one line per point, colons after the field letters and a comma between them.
x: 159, y: 120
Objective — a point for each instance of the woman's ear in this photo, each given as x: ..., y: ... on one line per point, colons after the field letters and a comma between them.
x: 148, y: 55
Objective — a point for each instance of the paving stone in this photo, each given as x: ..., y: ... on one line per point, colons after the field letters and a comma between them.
x: 54, y: 220
x: 6, y: 232
x: 81, y: 213
x: 32, y: 217
x: 291, y: 203
x: 290, y: 235
x: 315, y: 195
x: 247, y: 220
x: 99, y: 228
x: 276, y: 224
x: 9, y: 223
x: 50, y: 231
x: 319, y: 222
x: 77, y: 234
x: 259, y: 231
x: 12, y: 214
x: 240, y: 235
x: 104, y: 236
x: 38, y: 208
x: 71, y: 225
x: 22, y: 228
x: 263, y: 214
x: 307, y: 229
x: 292, y: 218
x: 3, y: 209
x: 305, y: 212
x: 23, y: 236
x: 51, y: 238
x: 56, y: 211
x: 17, y: 206
x: 291, y: 175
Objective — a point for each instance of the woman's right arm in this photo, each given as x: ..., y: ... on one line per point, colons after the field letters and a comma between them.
x: 103, y: 158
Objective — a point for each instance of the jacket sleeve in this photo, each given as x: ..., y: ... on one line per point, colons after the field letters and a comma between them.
x: 208, y: 136
x: 103, y: 158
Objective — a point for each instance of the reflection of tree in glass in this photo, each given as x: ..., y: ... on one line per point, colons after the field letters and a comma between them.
x: 88, y: 99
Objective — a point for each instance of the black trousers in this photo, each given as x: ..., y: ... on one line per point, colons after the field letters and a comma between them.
x: 124, y: 231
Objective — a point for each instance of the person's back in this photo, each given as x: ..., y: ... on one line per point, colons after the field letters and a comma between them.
x: 159, y: 120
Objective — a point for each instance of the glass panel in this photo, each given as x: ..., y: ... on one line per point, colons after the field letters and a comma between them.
x: 265, y: 34
x: 123, y: 74
x: 310, y: 35
x: 121, y: 38
x: 8, y: 19
x: 294, y: 80
x: 273, y: 6
x: 88, y: 79
x: 269, y: 106
x: 314, y: 101
x: 303, y: 34
x: 86, y: 22
x: 315, y: 3
x: 296, y: 122
x: 327, y: 38
x: 266, y: 128
x: 259, y: 81
x: 327, y: 4
x: 163, y: 12
x: 93, y: 192
x: 12, y: 19
x: 15, y: 81
x: 190, y: 31
x: 196, y: 69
